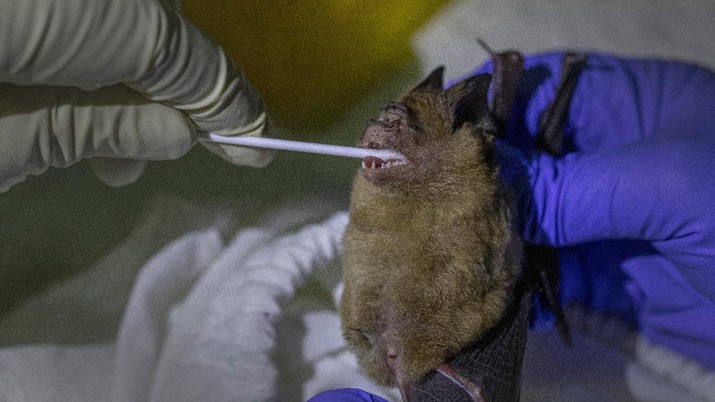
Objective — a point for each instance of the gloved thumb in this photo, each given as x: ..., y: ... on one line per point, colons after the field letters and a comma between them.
x: 116, y: 172
x: 254, y: 157
x: 45, y: 126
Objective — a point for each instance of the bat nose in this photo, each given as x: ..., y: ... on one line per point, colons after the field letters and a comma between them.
x: 377, y: 136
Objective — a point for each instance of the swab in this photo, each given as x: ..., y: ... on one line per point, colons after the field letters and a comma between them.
x: 308, y: 147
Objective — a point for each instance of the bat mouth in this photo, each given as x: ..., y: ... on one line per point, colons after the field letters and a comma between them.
x: 385, y: 164
x: 375, y: 163
x: 384, y: 171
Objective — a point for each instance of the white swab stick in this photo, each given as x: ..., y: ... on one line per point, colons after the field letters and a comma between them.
x: 309, y: 147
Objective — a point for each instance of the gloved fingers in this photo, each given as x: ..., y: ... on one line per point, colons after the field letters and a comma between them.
x: 86, y: 44
x: 346, y: 395
x: 116, y: 172
x: 621, y: 101
x: 657, y: 190
x: 146, y: 44
x: 674, y: 305
x: 616, y: 101
x: 245, y: 156
x: 44, y: 126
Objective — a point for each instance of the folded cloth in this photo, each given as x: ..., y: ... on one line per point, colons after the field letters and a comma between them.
x: 236, y: 321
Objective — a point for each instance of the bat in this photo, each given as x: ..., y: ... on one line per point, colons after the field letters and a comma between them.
x: 438, y: 283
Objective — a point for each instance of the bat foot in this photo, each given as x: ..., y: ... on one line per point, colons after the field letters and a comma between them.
x: 402, y: 384
x: 467, y: 385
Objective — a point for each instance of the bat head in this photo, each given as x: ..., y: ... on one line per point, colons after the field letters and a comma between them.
x: 443, y: 133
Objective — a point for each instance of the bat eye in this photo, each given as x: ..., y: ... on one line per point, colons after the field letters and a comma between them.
x: 416, y: 128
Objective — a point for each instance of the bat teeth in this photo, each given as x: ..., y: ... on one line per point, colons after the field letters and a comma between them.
x: 374, y: 163
x: 392, y: 163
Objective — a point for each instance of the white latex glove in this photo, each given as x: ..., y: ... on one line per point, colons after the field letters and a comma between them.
x: 129, y: 80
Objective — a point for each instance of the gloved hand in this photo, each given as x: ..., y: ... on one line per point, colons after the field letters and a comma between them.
x: 346, y: 395
x: 639, y: 174
x: 129, y: 80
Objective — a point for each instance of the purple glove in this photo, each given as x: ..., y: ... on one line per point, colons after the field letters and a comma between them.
x: 639, y: 175
x: 346, y: 395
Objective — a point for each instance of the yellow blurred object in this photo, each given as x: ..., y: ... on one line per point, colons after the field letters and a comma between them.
x: 311, y: 60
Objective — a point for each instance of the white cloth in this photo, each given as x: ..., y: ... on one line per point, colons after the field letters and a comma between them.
x: 198, y: 323
x: 255, y: 319
x: 669, y: 29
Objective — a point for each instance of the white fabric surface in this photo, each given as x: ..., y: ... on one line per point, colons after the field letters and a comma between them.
x: 255, y: 319
x: 198, y: 325
x: 670, y: 29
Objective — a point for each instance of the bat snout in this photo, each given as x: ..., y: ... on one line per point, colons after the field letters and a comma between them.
x: 377, y: 136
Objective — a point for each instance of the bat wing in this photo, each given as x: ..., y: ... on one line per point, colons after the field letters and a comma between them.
x: 550, y: 135
x: 541, y: 263
x: 493, y: 363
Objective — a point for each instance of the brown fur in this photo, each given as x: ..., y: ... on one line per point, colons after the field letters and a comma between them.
x: 430, y: 253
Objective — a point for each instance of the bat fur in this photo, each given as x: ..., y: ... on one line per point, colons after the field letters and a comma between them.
x: 431, y: 256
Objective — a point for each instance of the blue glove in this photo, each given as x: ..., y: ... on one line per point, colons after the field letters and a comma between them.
x: 633, y: 202
x: 346, y: 395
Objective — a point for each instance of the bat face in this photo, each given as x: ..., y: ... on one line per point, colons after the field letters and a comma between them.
x: 397, y: 128
x: 423, y: 127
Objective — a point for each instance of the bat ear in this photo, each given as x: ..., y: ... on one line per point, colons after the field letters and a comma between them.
x: 433, y: 82
x: 468, y: 102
